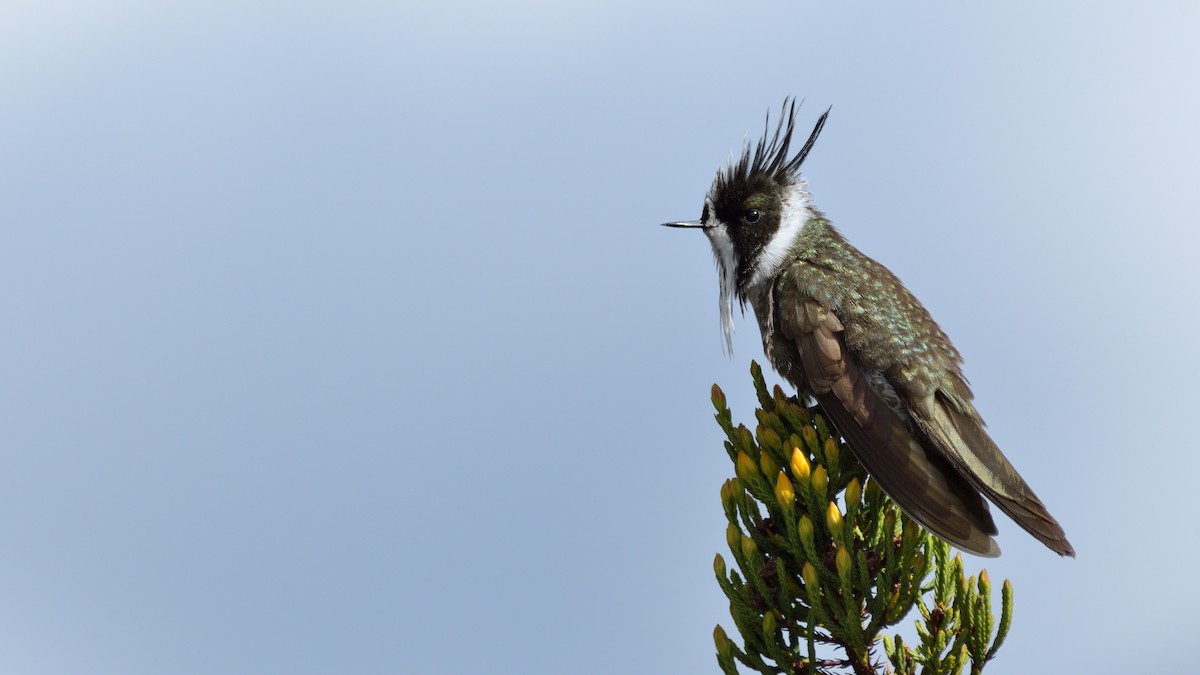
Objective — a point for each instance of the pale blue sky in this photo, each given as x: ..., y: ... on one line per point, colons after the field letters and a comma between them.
x: 341, y: 337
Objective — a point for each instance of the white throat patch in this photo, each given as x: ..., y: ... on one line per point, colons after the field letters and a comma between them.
x: 793, y: 214
x: 722, y: 245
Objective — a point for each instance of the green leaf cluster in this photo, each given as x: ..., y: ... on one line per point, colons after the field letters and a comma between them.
x: 825, y: 562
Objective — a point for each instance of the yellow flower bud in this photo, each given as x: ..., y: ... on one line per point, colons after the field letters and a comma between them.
x: 743, y: 438
x: 833, y: 519
x: 985, y: 584
x: 719, y: 566
x: 911, y: 530
x: 853, y: 495
x: 769, y: 623
x: 718, y: 398
x: 785, y: 494
x: 800, y: 465
x: 733, y: 537
x: 746, y: 468
x: 889, y: 523
x: 768, y: 464
x: 820, y: 480
x: 749, y: 548
x: 809, y: 573
x: 810, y: 439
x: 724, y: 646
x: 768, y: 438
x: 831, y: 452
x: 805, y: 530
x: 843, y: 562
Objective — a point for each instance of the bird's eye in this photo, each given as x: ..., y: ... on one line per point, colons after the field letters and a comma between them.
x: 751, y: 216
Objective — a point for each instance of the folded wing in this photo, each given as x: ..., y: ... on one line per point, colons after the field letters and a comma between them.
x: 922, y: 482
x: 956, y: 430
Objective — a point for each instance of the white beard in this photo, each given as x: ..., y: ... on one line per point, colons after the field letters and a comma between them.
x: 722, y: 246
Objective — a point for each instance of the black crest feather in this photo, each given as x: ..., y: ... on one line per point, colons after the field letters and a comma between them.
x: 769, y: 156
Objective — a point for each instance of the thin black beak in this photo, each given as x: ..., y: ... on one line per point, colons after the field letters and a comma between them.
x: 685, y: 223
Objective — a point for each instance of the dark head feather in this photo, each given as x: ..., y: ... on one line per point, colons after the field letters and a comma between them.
x: 770, y: 156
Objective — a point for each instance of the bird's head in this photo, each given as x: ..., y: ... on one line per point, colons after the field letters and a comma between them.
x: 755, y: 209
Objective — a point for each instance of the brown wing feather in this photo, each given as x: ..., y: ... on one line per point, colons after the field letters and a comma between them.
x: 923, y: 484
x: 960, y: 436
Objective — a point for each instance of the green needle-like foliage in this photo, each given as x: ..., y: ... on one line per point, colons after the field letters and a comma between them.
x: 826, y: 562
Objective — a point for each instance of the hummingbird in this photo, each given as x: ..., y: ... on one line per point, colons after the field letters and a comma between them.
x: 843, y: 330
